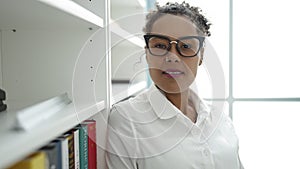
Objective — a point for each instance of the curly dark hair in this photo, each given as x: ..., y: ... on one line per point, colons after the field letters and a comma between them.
x: 184, y: 9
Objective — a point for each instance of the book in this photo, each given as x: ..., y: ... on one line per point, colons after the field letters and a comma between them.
x: 63, y: 140
x: 83, y: 146
x: 59, y: 143
x: 92, y: 147
x: 52, y: 152
x: 37, y: 160
x: 75, y: 132
x: 70, y: 138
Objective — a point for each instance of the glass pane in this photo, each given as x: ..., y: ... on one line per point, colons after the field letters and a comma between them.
x: 216, y: 55
x: 268, y: 134
x: 265, y: 48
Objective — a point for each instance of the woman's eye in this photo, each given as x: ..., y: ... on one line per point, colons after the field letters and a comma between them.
x: 161, y: 46
x: 186, y: 46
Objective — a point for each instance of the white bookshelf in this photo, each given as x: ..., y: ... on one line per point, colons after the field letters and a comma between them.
x: 25, y: 141
x: 19, y: 143
x: 41, y: 42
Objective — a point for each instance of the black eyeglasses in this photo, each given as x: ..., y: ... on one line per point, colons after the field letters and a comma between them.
x: 187, y: 46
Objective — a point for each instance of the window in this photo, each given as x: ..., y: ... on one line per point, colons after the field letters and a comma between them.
x: 268, y: 134
x: 265, y: 84
x: 265, y: 49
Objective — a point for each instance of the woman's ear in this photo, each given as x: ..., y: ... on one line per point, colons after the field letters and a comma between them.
x: 146, y: 52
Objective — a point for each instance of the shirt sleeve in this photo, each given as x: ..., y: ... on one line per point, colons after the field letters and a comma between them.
x: 241, y: 165
x: 121, y: 147
x: 233, y: 138
x: 233, y: 131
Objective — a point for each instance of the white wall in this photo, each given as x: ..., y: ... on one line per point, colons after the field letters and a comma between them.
x: 30, y: 66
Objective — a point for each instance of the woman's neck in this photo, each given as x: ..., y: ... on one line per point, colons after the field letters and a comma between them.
x: 179, y: 100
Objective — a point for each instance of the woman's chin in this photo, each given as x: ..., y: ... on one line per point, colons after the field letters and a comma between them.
x: 172, y: 88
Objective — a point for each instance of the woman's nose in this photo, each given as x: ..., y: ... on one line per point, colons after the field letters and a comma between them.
x: 173, y: 55
x: 172, y: 58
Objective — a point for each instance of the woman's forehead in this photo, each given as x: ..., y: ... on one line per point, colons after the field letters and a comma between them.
x: 174, y: 26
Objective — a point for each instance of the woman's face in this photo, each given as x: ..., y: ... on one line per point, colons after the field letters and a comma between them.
x: 172, y: 72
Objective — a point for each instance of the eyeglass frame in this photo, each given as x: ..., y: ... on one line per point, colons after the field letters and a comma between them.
x: 200, y: 38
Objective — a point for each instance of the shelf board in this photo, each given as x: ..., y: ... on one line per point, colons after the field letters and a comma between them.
x: 116, y: 29
x: 46, y: 14
x: 19, y: 143
x: 122, y: 91
x: 129, y: 3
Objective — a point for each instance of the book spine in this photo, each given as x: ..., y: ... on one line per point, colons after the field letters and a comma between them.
x: 92, y: 148
x: 83, y: 144
x: 64, y: 151
x: 58, y: 143
x: 70, y: 138
x: 65, y: 154
x: 76, y: 148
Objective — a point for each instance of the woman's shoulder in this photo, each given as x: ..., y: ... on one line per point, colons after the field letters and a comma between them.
x: 130, y: 110
x: 133, y: 104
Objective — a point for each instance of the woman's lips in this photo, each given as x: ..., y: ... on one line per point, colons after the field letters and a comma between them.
x: 172, y: 73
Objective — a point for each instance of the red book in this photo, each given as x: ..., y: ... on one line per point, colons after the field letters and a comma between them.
x: 92, y: 146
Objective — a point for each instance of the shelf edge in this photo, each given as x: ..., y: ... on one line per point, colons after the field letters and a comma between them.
x: 75, y: 9
x: 115, y: 28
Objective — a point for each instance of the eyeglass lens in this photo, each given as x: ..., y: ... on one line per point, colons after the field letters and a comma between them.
x: 186, y: 46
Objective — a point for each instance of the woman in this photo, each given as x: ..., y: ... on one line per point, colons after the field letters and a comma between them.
x: 169, y: 126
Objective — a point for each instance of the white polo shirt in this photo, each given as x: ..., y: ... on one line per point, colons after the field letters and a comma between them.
x: 149, y: 132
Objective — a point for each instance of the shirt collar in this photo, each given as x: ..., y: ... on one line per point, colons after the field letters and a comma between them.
x: 164, y: 109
